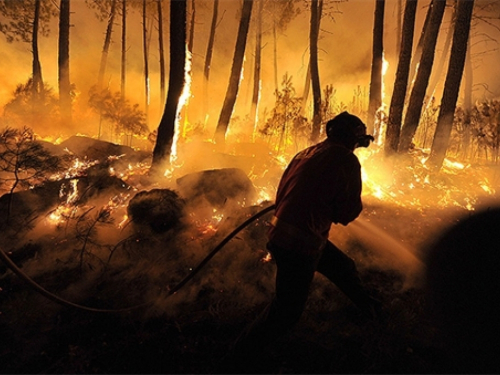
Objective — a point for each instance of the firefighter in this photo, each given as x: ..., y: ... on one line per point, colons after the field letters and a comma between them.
x: 321, y: 185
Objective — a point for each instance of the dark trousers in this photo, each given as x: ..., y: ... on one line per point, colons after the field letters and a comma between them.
x: 295, y: 272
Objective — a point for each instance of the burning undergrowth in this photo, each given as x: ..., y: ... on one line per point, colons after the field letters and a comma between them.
x: 102, y: 234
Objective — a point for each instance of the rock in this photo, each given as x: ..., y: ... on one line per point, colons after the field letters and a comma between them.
x: 219, y: 187
x: 158, y: 209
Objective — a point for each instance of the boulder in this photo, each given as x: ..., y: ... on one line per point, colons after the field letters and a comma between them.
x: 159, y: 210
x: 218, y: 187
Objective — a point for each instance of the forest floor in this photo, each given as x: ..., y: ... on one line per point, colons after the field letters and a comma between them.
x: 332, y: 336
x: 192, y: 331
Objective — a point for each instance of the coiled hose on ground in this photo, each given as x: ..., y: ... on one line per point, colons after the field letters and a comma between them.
x: 37, y: 287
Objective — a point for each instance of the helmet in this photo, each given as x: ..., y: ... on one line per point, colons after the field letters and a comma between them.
x: 348, y: 130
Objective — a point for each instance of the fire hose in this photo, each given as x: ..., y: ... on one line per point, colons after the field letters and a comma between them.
x: 37, y: 287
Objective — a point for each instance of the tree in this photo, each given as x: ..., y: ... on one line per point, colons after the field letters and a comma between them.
x: 104, y: 9
x: 452, y: 82
x: 127, y: 119
x: 24, y: 162
x: 25, y: 108
x: 166, y: 130
x: 316, y: 7
x: 146, y: 59
x: 234, y: 79
x: 161, y: 51
x: 124, y: 48
x: 63, y: 62
x: 375, y: 101
x: 257, y: 66
x: 26, y: 20
x: 208, y: 55
x: 424, y: 71
x: 401, y: 82
x: 438, y: 71
x: 417, y: 55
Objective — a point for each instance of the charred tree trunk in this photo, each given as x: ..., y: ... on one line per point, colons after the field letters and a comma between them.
x: 377, y: 64
x: 256, y: 75
x: 105, y: 49
x: 124, y: 48
x: 452, y: 83
x: 166, y: 129
x: 37, y: 68
x: 146, y: 60
x: 161, y: 51
x: 401, y: 83
x: 415, y: 104
x: 234, y: 80
x: 313, y: 50
x: 63, y: 62
x: 208, y: 56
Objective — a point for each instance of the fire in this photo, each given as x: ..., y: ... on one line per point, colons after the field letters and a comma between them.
x: 68, y: 208
x: 183, y: 101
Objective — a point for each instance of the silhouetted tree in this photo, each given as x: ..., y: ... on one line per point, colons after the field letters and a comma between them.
x: 316, y: 6
x: 26, y: 20
x: 375, y: 101
x: 208, y: 55
x: 126, y: 118
x: 24, y: 162
x: 63, y: 62
x: 234, y: 79
x: 161, y: 51
x: 452, y: 83
x: 424, y: 71
x: 123, y: 76
x: 401, y: 82
x: 104, y: 9
x: 166, y: 130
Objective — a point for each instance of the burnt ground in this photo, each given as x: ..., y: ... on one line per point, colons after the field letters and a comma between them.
x: 39, y: 336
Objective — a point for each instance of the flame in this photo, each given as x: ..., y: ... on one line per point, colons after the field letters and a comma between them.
x: 68, y: 208
x: 183, y: 100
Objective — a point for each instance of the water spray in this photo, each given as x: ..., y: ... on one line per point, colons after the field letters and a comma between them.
x: 37, y: 287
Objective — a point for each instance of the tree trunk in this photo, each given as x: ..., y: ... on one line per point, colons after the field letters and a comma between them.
x: 208, y: 57
x: 124, y: 48
x: 234, y: 80
x: 307, y: 85
x: 37, y: 68
x: 375, y: 101
x: 452, y: 83
x: 415, y: 104
x: 313, y: 50
x: 191, y: 27
x: 418, y: 50
x: 166, y: 130
x: 469, y: 79
x: 146, y: 60
x: 438, y: 73
x: 107, y: 42
x: 399, y: 11
x: 161, y: 51
x: 256, y: 75
x: 63, y: 62
x: 275, y: 55
x: 401, y: 82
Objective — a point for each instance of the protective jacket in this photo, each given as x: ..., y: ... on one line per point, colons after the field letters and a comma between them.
x: 321, y: 185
